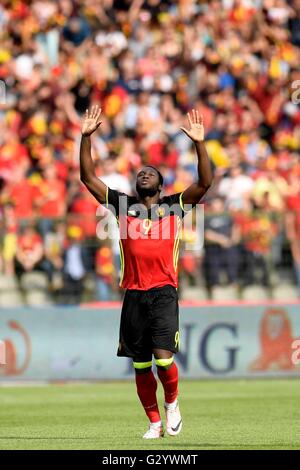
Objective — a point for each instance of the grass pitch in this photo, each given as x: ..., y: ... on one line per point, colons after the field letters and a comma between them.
x: 216, y: 414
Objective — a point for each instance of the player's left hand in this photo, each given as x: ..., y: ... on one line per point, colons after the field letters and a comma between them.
x: 196, y: 131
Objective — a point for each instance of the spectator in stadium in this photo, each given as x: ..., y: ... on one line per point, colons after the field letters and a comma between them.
x: 270, y: 190
x: 190, y: 259
x: 136, y: 58
x: 50, y: 199
x: 20, y: 192
x: 292, y: 222
x: 83, y: 215
x: 54, y: 242
x: 9, y: 239
x: 222, y: 255
x: 74, y: 268
x: 30, y: 251
x: 235, y: 187
x: 76, y: 30
x: 112, y: 177
x: 105, y: 272
x: 257, y: 229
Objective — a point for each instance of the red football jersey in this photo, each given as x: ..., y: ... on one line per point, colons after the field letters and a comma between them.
x: 149, y: 239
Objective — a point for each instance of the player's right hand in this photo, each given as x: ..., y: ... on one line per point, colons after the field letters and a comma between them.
x: 91, y: 120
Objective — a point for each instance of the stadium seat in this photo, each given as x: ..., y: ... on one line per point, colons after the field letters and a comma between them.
x: 224, y: 293
x: 34, y: 280
x: 8, y: 283
x: 194, y: 293
x: 285, y: 292
x: 255, y: 292
x: 11, y: 298
x: 36, y: 297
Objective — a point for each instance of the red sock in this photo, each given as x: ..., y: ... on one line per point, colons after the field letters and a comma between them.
x: 169, y: 380
x: 146, y: 389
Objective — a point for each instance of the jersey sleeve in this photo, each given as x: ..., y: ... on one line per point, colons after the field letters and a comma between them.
x: 116, y: 201
x: 174, y: 201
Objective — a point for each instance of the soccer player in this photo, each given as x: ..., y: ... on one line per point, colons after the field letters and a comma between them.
x: 149, y: 237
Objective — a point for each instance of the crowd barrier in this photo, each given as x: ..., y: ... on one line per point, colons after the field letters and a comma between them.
x: 80, y: 343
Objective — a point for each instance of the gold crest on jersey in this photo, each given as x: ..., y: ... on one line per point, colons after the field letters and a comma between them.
x: 160, y: 211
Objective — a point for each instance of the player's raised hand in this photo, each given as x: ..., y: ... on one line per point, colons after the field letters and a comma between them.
x: 91, y: 120
x: 196, y: 131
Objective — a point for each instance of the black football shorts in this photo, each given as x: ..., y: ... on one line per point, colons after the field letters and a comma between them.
x: 149, y: 319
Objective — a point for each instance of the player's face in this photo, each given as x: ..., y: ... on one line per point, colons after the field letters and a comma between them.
x: 147, y: 182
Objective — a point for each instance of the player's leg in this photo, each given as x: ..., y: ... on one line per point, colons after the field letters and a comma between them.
x: 167, y: 372
x: 146, y: 386
x: 135, y: 342
x: 165, y: 341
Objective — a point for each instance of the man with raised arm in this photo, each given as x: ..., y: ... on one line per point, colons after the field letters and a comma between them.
x: 149, y: 246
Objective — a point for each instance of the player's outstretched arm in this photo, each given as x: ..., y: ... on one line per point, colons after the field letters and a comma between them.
x: 196, y: 191
x: 91, y: 122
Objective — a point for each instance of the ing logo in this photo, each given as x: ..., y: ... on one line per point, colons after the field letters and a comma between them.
x: 296, y: 353
x: 9, y: 355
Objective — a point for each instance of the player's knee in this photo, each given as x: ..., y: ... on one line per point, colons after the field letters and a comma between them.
x: 142, y: 367
x: 164, y: 364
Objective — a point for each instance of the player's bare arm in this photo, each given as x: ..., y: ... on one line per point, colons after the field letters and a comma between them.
x: 196, y: 191
x: 91, y: 122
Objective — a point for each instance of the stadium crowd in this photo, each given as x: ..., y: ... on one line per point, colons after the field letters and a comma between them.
x: 147, y: 63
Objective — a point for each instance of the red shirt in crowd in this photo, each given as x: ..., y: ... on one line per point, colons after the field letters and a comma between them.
x: 53, y: 195
x: 86, y: 207
x: 293, y: 205
x: 12, y: 155
x: 105, y: 264
x: 22, y: 194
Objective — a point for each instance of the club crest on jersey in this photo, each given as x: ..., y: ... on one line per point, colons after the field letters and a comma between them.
x: 160, y: 211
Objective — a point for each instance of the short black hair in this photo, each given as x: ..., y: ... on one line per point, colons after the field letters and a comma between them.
x: 160, y: 176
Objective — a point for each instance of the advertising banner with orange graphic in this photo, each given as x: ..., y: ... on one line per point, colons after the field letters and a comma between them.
x: 58, y: 344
